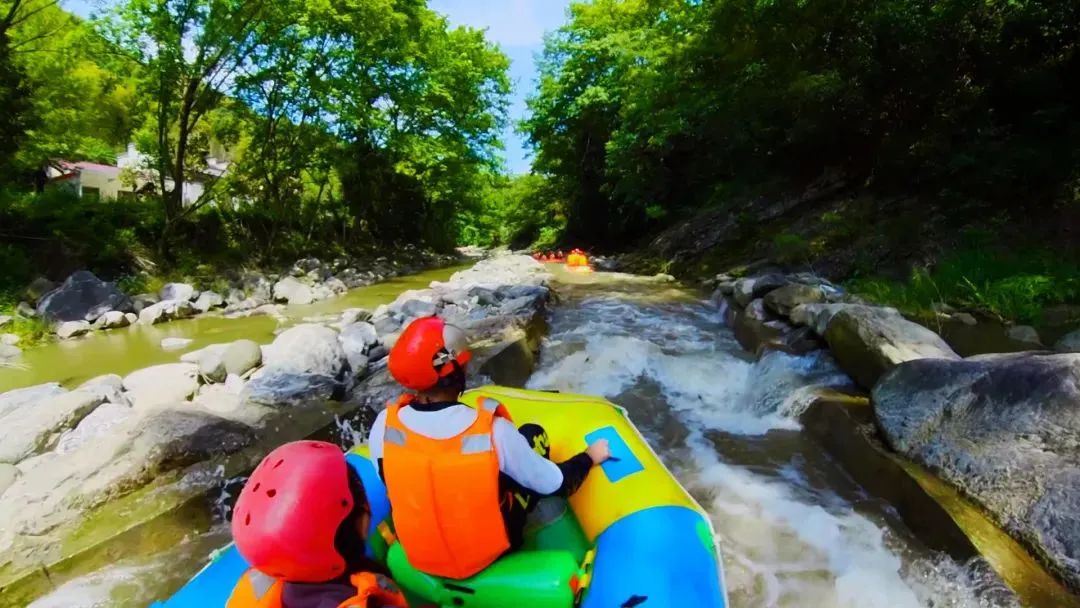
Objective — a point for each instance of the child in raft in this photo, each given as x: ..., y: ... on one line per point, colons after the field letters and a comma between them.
x: 301, y: 522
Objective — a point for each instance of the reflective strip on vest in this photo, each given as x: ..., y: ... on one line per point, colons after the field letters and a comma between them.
x: 260, y: 583
x: 394, y: 436
x: 476, y: 444
x: 489, y: 404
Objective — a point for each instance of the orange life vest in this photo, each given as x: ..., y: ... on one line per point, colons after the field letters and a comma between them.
x: 445, y: 494
x: 257, y: 590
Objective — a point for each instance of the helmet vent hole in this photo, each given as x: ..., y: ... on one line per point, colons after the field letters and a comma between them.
x: 344, y: 503
x: 247, y: 519
x: 256, y: 488
x: 271, y: 493
x: 279, y: 463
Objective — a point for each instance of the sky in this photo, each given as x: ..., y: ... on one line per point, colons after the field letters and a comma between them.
x: 517, y: 26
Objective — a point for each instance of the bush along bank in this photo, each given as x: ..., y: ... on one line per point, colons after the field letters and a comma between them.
x: 1000, y: 428
x: 88, y: 467
x: 84, y: 303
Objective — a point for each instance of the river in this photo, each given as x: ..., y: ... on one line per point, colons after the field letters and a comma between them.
x: 793, y: 528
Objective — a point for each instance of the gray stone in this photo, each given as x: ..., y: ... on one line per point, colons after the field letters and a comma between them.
x: 166, y: 310
x: 143, y: 300
x: 258, y: 286
x: 29, y: 430
x: 208, y: 300
x: 25, y: 310
x: 535, y: 292
x: 6, y: 320
x: 484, y: 295
x: 386, y: 325
x: 1069, y: 343
x: 82, y: 297
x: 10, y: 339
x: 751, y: 288
x: 113, y: 319
x: 72, y: 329
x: 161, y: 385
x: 355, y: 315
x: 357, y: 340
x: 8, y: 352
x: 20, y: 398
x: 292, y: 291
x: 177, y: 291
x: 234, y: 297
x: 155, y: 313
x: 39, y: 287
x: 276, y: 388
x: 241, y: 356
x: 1005, y: 430
x: 336, y: 286
x: 520, y: 305
x: 868, y: 341
x: 784, y: 299
x: 1026, y: 335
x: 965, y: 318
x: 8, y: 474
x: 755, y: 327
x: 304, y: 363
x: 109, y: 386
x: 131, y: 318
x: 174, y: 343
x: 98, y: 424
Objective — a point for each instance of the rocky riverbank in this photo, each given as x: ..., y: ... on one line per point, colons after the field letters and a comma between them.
x: 84, y: 470
x: 1001, y: 428
x: 84, y: 303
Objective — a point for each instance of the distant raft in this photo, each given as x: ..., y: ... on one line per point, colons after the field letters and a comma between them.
x: 630, y: 536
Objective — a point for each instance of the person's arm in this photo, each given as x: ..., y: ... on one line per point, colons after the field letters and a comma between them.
x: 522, y: 464
x: 375, y: 442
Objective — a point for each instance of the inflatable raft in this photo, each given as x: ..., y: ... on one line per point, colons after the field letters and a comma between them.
x: 630, y: 536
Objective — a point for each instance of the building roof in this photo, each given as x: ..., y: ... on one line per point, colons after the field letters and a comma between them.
x: 110, y: 170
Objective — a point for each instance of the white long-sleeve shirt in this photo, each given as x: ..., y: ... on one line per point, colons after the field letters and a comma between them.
x: 517, y: 459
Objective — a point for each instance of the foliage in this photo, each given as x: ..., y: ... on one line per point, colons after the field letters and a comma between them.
x: 1014, y: 286
x: 649, y: 109
x: 520, y: 212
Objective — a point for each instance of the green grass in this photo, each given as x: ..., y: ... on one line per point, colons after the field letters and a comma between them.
x: 30, y: 331
x: 1015, y: 286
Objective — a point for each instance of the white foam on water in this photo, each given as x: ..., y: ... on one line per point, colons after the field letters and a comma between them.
x: 98, y: 590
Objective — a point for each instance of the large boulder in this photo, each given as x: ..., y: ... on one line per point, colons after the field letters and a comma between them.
x: 357, y: 340
x: 292, y: 291
x: 1069, y: 343
x: 868, y: 341
x: 9, y: 352
x: 72, y: 329
x: 8, y: 474
x: 1003, y: 428
x: 166, y: 310
x: 82, y: 297
x: 784, y: 299
x: 177, y: 291
x: 113, y: 319
x: 97, y: 425
x: 20, y: 398
x: 755, y: 327
x: 29, y: 430
x: 208, y: 300
x: 38, y: 288
x: 751, y: 288
x: 161, y: 384
x: 241, y: 356
x: 304, y: 363
x: 142, y: 300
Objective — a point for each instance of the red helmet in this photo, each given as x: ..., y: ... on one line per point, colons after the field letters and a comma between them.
x: 425, y: 351
x: 289, y: 512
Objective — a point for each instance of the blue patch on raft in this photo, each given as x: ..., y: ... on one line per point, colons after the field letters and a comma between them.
x: 655, y: 558
x: 374, y: 488
x: 212, y: 586
x: 623, y: 463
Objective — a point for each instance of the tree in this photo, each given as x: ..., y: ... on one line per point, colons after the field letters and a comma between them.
x: 14, y: 89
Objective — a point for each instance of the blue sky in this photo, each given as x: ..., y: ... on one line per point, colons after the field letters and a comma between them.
x: 517, y: 26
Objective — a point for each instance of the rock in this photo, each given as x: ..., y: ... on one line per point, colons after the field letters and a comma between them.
x: 82, y: 297
x: 484, y: 295
x: 965, y: 318
x: 20, y: 398
x: 303, y: 363
x: 143, y: 300
x: 969, y: 336
x: 38, y: 288
x: 109, y: 386
x: 355, y: 315
x: 1070, y: 343
x: 234, y: 297
x: 241, y: 356
x: 174, y: 343
x: 161, y: 384
x: 177, y: 291
x: 292, y: 291
x: 6, y: 320
x: 166, y: 310
x: 258, y: 287
x: 798, y: 342
x: 1025, y: 335
x: 208, y: 300
x: 386, y: 325
x: 113, y: 319
x: 784, y: 299
x: 9, y: 339
x: 268, y: 310
x: 535, y: 292
x: 29, y: 430
x: 520, y: 305
x: 749, y: 289
x: 72, y: 329
x: 336, y: 286
x: 131, y: 318
x: 419, y: 308
x: 155, y: 313
x: 210, y: 362
x: 96, y: 425
x: 868, y: 341
x: 357, y: 340
x: 8, y: 352
x: 1005, y: 430
x: 25, y: 310
x: 755, y: 327
x: 8, y: 474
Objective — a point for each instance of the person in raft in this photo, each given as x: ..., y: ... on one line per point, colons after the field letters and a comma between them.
x: 301, y: 522
x: 461, y: 481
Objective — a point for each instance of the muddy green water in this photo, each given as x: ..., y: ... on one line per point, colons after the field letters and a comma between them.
x: 121, y: 351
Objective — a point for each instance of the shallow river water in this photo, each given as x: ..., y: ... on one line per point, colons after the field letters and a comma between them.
x: 794, y: 530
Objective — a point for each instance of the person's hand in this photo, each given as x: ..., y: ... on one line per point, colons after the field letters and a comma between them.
x: 599, y: 451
